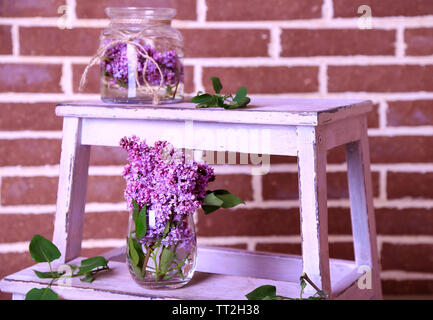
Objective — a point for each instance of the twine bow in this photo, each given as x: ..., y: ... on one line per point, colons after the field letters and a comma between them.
x: 128, y: 39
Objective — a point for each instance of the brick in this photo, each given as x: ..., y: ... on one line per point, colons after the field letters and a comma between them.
x: 284, y: 186
x: 29, y: 116
x: 383, y: 8
x: 93, y: 252
x: 106, y: 189
x: 6, y: 39
x: 29, y: 152
x: 380, y: 78
x: 238, y: 184
x: 341, y: 250
x: 339, y: 221
x: 373, y: 117
x: 409, y: 184
x: 407, y: 287
x: 212, y: 225
x: 22, y: 227
x: 247, y: 10
x: 336, y: 42
x: 107, y: 156
x: 264, y: 79
x: 283, y: 160
x: 36, y: 41
x: 280, y: 186
x: 188, y: 80
x: 416, y: 149
x: 13, y: 262
x: 30, y: 77
x: 409, y: 113
x: 30, y: 8
x: 407, y: 257
x: 5, y: 296
x: 249, y: 222
x: 337, y: 250
x: 414, y: 221
x: 43, y: 190
x: 97, y: 225
x: 389, y: 221
x: 186, y: 9
x: 419, y: 42
x: 23, y: 190
x: 105, y: 225
x: 285, y: 248
x: 226, y: 42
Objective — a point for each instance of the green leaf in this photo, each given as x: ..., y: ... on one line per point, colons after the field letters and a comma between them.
x: 47, y: 275
x: 135, y: 258
x: 201, y: 98
x: 262, y: 292
x: 217, y: 86
x: 166, y: 229
x: 41, y: 294
x: 136, y: 210
x: 229, y: 200
x: 135, y: 268
x: 212, y: 200
x: 43, y: 250
x: 141, y: 223
x: 167, y: 257
x: 219, y: 199
x: 240, y: 94
x: 122, y: 84
x: 73, y: 267
x: 89, y: 264
x: 88, y: 277
x: 209, y: 209
x: 243, y: 102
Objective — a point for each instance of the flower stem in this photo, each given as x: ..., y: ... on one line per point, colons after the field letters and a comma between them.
x: 321, y: 293
x: 175, y: 90
x: 146, y: 260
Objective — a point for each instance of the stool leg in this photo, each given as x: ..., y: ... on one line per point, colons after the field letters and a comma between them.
x: 362, y: 209
x: 71, y: 194
x: 313, y: 207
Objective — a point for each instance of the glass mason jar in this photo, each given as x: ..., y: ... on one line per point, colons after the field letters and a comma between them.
x: 142, y: 57
x: 166, y: 261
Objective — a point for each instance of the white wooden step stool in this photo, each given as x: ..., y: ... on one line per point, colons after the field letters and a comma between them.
x: 305, y: 128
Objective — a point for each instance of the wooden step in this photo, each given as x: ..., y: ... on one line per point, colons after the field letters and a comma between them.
x: 248, y: 270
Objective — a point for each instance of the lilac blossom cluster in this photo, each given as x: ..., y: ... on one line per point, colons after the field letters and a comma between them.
x: 115, y: 66
x: 168, y: 183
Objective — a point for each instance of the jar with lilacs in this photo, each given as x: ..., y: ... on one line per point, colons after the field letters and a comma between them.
x: 164, y: 187
x: 140, y: 57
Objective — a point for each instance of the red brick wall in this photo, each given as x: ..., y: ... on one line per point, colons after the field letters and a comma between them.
x: 291, y: 48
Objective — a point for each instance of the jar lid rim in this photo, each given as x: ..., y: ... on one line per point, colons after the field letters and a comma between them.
x: 154, y: 12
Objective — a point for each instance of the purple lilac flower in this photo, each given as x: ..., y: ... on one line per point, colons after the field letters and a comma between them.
x: 171, y: 185
x: 115, y: 65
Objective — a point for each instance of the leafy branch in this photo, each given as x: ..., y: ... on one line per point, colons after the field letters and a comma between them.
x: 269, y: 292
x: 43, y: 250
x: 206, y: 100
